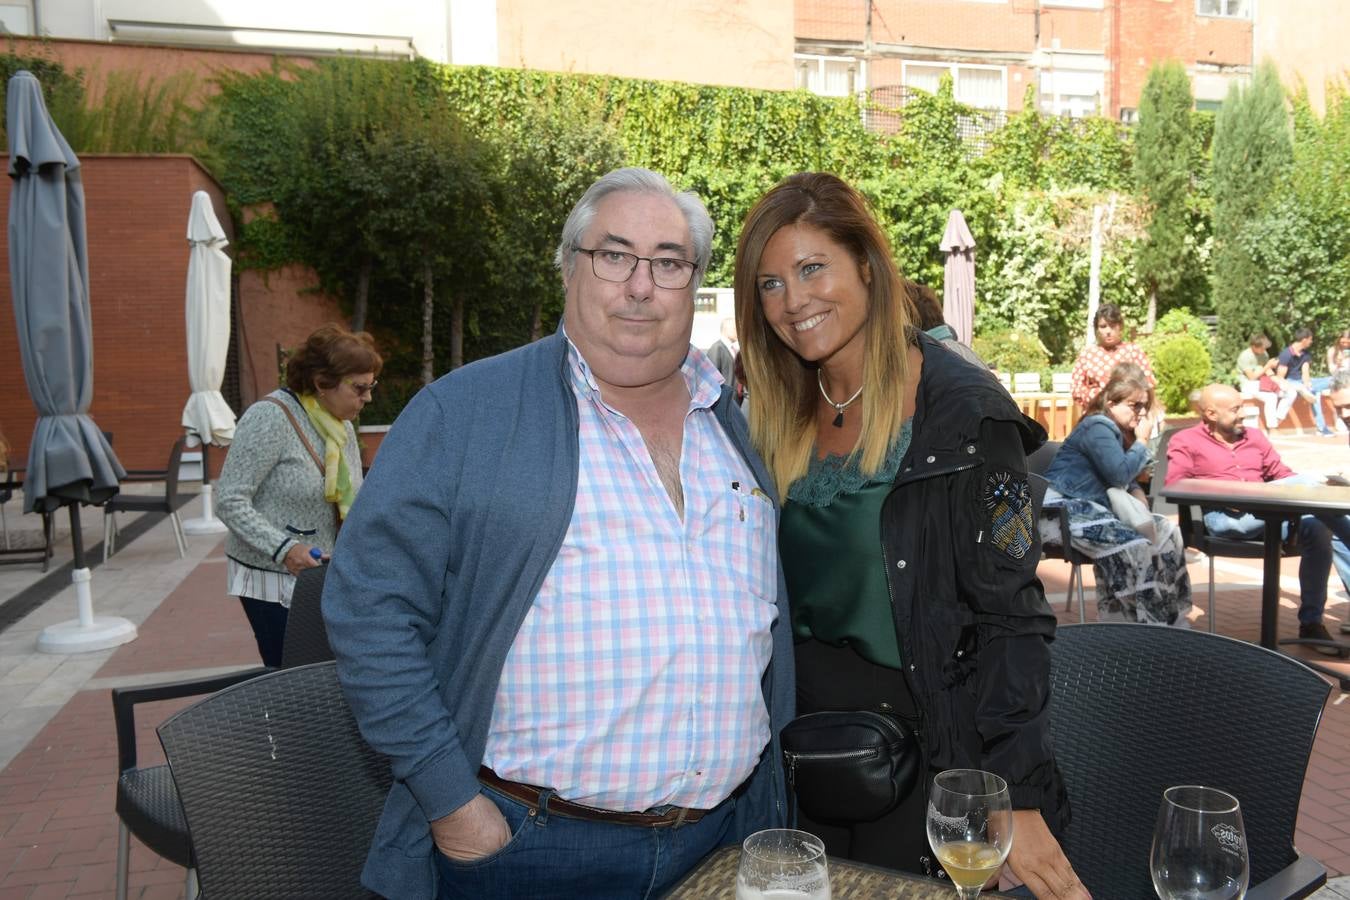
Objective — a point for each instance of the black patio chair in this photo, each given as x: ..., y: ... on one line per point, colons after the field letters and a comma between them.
x: 11, y: 480
x: 1038, y: 463
x: 1137, y: 710
x: 280, y: 791
x: 147, y: 802
x: 147, y: 799
x: 306, y: 638
x: 168, y: 504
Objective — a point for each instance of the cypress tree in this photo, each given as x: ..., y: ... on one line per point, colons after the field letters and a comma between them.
x: 1163, y: 175
x: 1252, y: 157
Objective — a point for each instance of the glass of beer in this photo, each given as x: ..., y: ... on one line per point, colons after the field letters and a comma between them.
x: 783, y: 864
x: 970, y: 827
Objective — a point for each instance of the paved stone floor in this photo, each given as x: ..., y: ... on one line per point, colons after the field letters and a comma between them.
x: 58, y: 749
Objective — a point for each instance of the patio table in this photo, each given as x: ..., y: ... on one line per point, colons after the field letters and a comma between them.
x: 1275, y: 503
x: 715, y: 879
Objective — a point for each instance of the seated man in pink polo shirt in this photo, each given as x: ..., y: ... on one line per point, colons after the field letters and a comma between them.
x: 1219, y: 447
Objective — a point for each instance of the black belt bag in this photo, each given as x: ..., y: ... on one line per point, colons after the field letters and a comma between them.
x: 852, y: 766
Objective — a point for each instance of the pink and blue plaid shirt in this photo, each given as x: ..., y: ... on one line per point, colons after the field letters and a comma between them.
x: 634, y: 681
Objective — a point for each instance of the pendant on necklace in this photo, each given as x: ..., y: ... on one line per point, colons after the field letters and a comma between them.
x: 839, y: 419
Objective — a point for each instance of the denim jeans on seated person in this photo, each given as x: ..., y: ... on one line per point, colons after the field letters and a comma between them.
x: 1312, y: 392
x: 552, y: 856
x: 1314, y: 542
x: 1340, y: 553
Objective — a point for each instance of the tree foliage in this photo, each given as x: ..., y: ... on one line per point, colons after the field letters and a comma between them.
x: 441, y: 190
x: 1252, y: 156
x: 1162, y: 170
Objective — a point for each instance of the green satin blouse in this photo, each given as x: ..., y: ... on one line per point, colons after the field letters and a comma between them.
x: 830, y: 541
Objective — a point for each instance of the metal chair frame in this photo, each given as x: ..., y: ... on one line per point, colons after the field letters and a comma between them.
x: 1038, y: 463
x: 167, y: 505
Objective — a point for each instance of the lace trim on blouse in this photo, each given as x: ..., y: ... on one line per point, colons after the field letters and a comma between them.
x: 833, y: 476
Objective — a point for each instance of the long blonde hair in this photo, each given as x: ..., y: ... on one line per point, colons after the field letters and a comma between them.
x: 782, y: 389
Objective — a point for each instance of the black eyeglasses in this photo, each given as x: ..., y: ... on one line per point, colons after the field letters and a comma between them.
x: 1137, y: 408
x: 668, y: 272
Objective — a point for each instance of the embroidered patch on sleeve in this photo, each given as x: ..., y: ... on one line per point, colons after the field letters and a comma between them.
x: 1012, y: 522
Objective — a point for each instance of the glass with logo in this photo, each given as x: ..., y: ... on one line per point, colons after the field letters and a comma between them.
x: 1199, y: 846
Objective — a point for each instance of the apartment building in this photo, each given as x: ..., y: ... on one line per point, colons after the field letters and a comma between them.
x: 1085, y: 57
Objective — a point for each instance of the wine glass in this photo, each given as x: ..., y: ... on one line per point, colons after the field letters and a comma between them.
x: 783, y: 864
x: 1199, y: 846
x: 970, y: 826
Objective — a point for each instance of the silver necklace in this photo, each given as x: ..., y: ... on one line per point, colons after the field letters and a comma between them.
x: 838, y: 407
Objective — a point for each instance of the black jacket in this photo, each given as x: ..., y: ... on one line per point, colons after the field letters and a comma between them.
x: 960, y: 543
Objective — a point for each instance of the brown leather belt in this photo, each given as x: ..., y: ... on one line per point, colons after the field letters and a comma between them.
x: 532, y: 797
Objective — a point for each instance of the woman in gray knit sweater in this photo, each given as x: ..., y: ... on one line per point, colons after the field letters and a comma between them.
x: 291, y: 474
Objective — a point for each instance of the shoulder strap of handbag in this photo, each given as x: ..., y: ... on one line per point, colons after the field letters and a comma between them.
x: 318, y: 461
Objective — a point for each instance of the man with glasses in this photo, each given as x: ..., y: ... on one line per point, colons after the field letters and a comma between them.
x: 557, y: 606
x: 1221, y: 448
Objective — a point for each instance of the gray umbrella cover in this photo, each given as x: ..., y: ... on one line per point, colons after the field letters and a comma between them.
x: 69, y: 460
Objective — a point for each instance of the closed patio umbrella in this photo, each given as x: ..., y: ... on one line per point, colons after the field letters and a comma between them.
x: 958, y: 280
x: 207, y: 417
x: 69, y: 461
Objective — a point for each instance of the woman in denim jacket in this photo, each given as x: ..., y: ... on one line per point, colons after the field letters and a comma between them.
x: 1139, y: 578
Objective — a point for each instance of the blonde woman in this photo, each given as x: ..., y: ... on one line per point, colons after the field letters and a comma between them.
x: 907, y: 533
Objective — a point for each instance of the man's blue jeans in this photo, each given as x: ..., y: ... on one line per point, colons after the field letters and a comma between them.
x: 1314, y: 542
x: 1340, y: 553
x: 1314, y: 389
x: 551, y: 856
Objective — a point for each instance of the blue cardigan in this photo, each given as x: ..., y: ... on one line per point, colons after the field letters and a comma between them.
x: 435, y: 568
x: 1093, y: 458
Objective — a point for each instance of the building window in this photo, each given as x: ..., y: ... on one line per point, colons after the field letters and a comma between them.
x: 1228, y: 9
x: 983, y: 87
x: 14, y: 19
x: 830, y: 76
x: 1071, y: 92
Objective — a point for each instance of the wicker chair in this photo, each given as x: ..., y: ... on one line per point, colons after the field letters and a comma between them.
x: 1137, y: 709
x: 306, y: 638
x: 280, y: 791
x: 147, y: 801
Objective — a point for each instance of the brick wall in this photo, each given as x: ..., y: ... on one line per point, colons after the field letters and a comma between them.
x: 1153, y: 30
x: 136, y: 215
x: 100, y: 58
x: 278, y: 308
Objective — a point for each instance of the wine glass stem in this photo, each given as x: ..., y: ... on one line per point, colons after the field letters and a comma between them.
x: 967, y: 893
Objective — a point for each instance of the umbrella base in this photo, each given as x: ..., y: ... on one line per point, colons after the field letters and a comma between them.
x: 206, y: 523
x: 204, y: 526
x: 72, y: 637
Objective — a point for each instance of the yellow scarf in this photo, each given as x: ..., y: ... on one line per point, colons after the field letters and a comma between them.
x: 337, y: 480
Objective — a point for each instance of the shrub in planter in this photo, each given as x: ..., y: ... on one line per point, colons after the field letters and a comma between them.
x: 1181, y: 364
x: 1011, y: 351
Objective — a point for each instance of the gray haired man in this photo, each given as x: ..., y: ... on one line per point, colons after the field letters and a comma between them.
x: 556, y: 604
